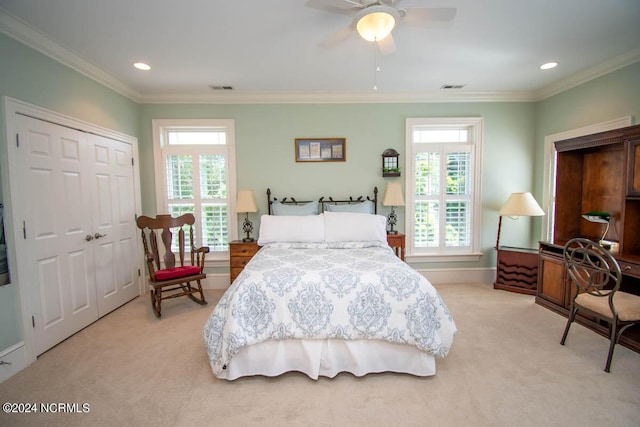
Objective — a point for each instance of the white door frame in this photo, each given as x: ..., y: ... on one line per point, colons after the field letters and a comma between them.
x: 13, y: 228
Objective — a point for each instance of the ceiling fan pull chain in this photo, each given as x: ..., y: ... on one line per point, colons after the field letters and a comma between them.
x: 376, y: 67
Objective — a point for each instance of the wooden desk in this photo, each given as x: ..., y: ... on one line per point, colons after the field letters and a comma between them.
x: 555, y: 290
x: 517, y: 270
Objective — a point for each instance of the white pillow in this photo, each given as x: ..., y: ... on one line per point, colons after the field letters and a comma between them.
x: 291, y: 229
x: 354, y: 227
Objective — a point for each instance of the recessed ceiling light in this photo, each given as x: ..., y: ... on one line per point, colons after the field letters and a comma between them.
x: 142, y: 66
x: 548, y: 65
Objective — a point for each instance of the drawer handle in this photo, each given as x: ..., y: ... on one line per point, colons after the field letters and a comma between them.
x: 626, y: 267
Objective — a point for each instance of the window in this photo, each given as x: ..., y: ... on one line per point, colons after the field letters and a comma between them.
x: 195, y: 173
x: 443, y: 188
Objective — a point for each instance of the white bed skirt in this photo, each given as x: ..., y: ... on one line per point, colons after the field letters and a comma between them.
x: 328, y: 358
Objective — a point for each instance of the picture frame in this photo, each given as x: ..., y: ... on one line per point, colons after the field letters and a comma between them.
x: 320, y: 149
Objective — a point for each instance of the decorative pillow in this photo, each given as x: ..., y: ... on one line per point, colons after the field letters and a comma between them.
x: 357, y: 207
x: 354, y: 227
x: 310, y: 208
x: 291, y: 229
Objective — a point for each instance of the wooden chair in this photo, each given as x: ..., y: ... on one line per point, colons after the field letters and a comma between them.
x: 171, y: 278
x: 597, y: 277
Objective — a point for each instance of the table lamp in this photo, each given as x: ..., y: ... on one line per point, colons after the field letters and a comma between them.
x: 518, y: 204
x: 392, y: 197
x: 246, y: 203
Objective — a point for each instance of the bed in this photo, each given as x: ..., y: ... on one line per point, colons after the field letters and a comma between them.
x: 326, y: 294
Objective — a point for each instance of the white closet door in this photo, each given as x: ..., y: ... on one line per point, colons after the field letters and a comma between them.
x: 75, y: 194
x: 113, y: 213
x: 53, y: 196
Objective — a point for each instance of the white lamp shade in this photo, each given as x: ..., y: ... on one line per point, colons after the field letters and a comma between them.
x: 246, y: 202
x: 521, y: 204
x: 374, y: 23
x: 393, y: 195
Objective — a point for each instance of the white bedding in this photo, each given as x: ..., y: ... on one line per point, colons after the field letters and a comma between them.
x: 347, y: 291
x: 327, y: 358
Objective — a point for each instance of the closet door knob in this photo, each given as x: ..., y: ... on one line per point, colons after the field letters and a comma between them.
x: 88, y: 238
x: 98, y: 235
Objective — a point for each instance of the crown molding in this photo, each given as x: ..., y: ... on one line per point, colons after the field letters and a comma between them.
x: 581, y: 77
x: 19, y: 30
x: 332, y: 97
x: 28, y: 35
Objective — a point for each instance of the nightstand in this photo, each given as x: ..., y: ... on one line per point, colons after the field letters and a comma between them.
x: 240, y: 253
x: 396, y: 241
x: 517, y: 270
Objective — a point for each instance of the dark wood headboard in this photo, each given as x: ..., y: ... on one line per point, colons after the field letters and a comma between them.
x: 326, y: 200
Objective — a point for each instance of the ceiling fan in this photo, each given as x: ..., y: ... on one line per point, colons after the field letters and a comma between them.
x: 374, y: 20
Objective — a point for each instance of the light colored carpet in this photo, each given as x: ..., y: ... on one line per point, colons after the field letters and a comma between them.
x: 506, y: 368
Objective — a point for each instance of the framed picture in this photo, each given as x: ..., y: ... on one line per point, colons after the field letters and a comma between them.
x: 321, y: 149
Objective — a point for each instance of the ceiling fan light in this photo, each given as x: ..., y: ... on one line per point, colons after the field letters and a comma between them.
x: 375, y: 25
x: 142, y: 66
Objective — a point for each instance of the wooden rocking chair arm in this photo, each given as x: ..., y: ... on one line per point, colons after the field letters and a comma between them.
x: 197, y: 255
x: 203, y: 249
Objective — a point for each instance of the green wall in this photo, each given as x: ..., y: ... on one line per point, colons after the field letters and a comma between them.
x: 265, y: 135
x: 512, y: 153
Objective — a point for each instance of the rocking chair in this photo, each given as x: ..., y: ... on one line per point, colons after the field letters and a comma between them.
x: 174, y: 280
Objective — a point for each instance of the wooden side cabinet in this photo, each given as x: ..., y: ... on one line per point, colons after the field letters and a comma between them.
x: 553, y: 287
x: 240, y: 253
x: 397, y: 243
x: 517, y: 270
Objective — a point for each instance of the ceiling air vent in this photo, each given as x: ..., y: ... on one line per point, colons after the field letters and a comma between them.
x: 452, y: 86
x: 220, y: 87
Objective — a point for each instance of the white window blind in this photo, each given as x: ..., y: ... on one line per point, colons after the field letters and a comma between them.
x: 442, y: 186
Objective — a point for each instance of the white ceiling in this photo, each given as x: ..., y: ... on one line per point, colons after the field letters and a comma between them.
x: 271, y: 49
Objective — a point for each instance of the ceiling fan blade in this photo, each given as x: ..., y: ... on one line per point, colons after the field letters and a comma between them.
x: 415, y: 15
x: 344, y: 7
x: 387, y: 45
x: 337, y: 37
x: 353, y: 3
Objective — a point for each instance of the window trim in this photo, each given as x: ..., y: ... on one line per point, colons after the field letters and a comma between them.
x: 476, y: 127
x: 213, y: 259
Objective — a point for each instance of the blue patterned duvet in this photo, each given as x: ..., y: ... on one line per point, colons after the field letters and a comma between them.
x: 315, y: 291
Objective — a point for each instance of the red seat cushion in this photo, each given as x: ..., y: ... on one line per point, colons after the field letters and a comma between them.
x: 176, y: 272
